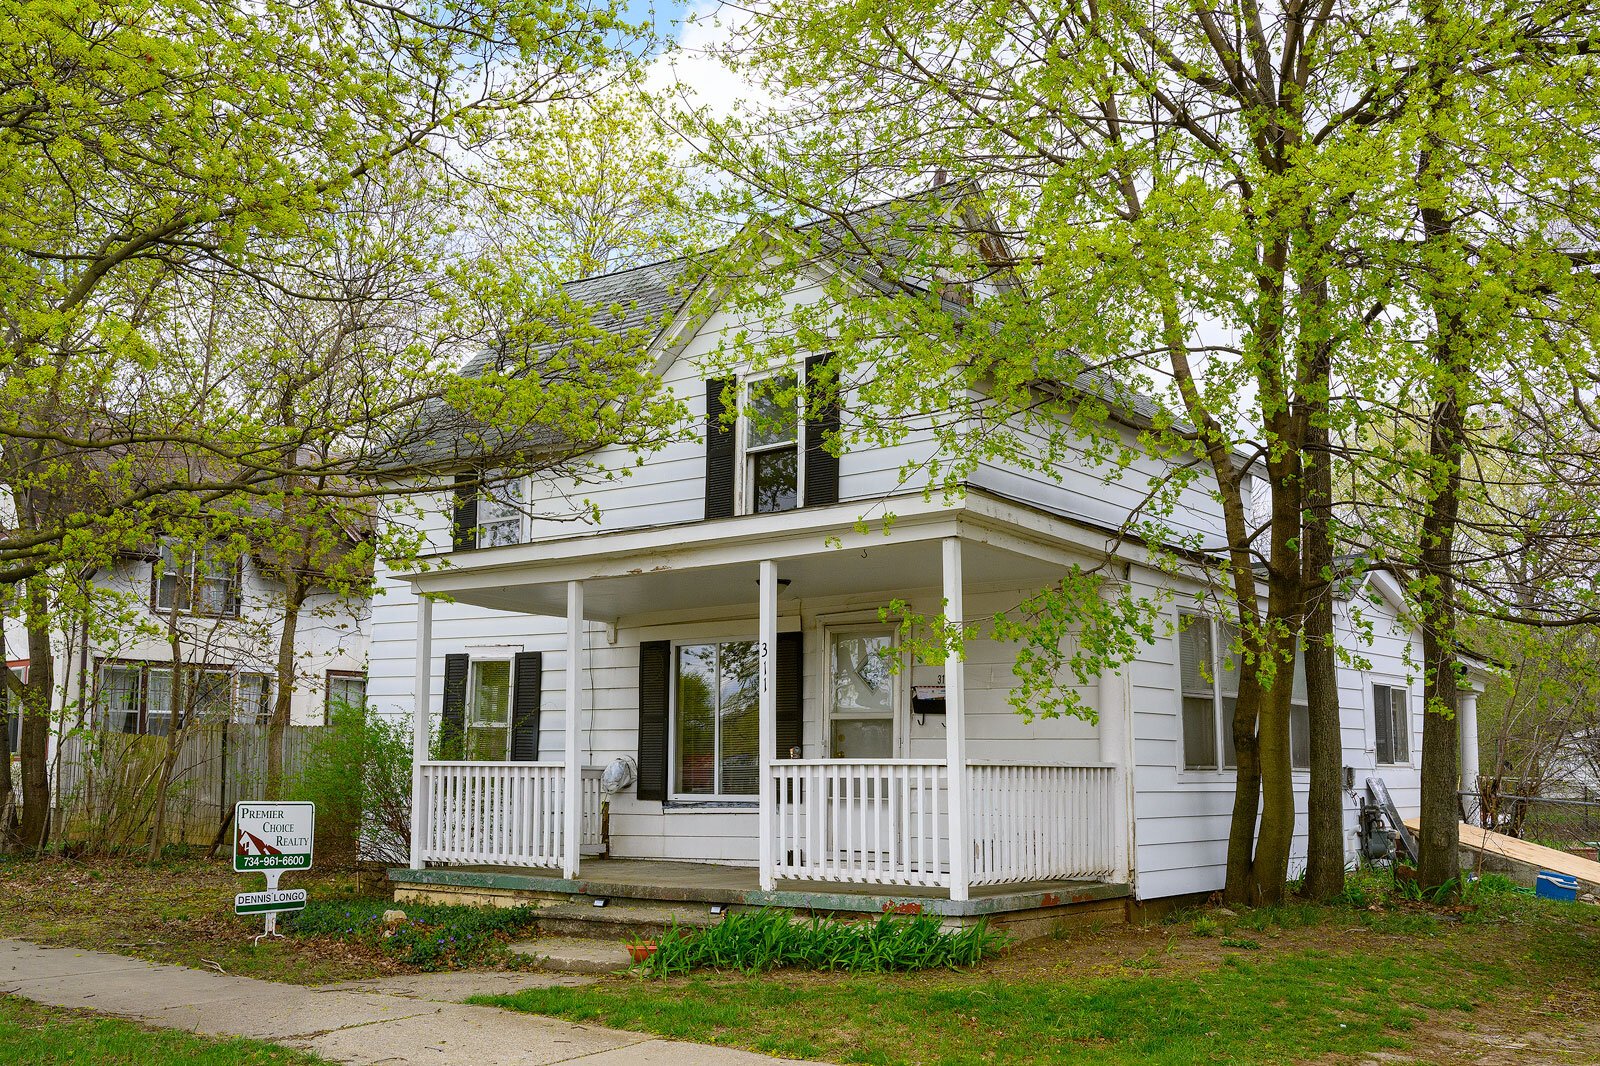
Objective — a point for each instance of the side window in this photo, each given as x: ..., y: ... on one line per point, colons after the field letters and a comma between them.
x: 1210, y: 692
x: 1199, y: 692
x: 1391, y: 707
x: 1299, y: 717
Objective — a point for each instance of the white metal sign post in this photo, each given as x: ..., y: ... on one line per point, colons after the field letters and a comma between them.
x: 270, y: 837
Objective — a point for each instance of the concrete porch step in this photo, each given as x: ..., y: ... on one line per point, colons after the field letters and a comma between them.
x: 571, y: 954
x: 621, y: 919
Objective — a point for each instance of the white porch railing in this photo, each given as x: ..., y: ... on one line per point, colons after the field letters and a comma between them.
x: 880, y: 822
x: 505, y: 813
x: 1041, y: 823
x: 887, y: 822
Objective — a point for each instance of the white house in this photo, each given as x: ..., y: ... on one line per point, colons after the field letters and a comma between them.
x: 719, y: 628
x: 114, y: 674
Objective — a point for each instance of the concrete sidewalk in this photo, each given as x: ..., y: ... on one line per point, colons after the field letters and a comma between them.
x: 338, y: 1023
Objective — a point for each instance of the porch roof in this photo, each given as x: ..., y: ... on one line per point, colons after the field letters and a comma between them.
x: 823, y: 551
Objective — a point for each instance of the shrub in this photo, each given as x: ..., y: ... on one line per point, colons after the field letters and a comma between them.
x: 753, y: 941
x: 431, y: 936
x: 358, y: 773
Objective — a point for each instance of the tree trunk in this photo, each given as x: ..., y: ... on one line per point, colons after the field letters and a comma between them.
x: 1438, y: 845
x: 294, y: 598
x: 1246, y: 793
x: 34, y: 748
x: 1324, y: 803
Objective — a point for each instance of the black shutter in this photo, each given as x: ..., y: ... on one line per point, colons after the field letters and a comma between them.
x: 719, y: 453
x: 655, y: 658
x: 822, y: 420
x: 790, y: 668
x: 452, y: 726
x: 525, y: 699
x: 464, y: 528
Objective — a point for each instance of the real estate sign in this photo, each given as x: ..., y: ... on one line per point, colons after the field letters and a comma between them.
x: 270, y: 902
x: 271, y: 836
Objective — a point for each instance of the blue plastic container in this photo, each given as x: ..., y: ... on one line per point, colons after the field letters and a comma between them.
x: 1551, y: 885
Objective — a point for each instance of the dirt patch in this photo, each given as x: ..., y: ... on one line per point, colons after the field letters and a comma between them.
x: 179, y: 912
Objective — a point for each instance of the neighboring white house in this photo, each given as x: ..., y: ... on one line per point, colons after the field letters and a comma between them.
x: 228, y: 617
x: 719, y: 627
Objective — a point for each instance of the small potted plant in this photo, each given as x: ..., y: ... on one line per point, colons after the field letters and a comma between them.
x: 640, y: 949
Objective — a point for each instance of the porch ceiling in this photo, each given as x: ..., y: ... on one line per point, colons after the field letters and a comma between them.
x: 713, y: 565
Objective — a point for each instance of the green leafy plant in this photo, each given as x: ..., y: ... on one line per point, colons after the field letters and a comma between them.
x: 358, y: 773
x: 430, y: 937
x: 754, y: 941
x: 1206, y: 926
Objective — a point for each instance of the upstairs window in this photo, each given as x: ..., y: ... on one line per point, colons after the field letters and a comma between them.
x: 500, y: 508
x: 193, y: 580
x: 487, y: 514
x: 772, y: 444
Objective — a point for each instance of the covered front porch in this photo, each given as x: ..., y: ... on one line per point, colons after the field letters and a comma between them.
x: 936, y: 826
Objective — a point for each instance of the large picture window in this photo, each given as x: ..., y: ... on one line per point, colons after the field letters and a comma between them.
x: 196, y: 580
x: 718, y: 719
x: 772, y: 444
x: 1210, y: 692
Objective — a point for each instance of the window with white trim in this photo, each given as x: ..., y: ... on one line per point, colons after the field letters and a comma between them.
x: 488, y: 717
x: 772, y: 435
x: 500, y: 511
x: 1391, y: 706
x: 1210, y: 692
x: 192, y: 580
x: 717, y: 717
x: 345, y: 690
x: 255, y: 699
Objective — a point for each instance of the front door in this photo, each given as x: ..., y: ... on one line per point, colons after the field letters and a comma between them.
x: 862, y: 686
x: 863, y: 724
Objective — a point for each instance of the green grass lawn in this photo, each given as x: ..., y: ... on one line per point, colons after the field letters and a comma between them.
x: 1295, y: 983
x: 45, y: 1036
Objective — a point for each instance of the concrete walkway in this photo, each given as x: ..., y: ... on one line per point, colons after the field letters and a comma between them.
x: 340, y: 1022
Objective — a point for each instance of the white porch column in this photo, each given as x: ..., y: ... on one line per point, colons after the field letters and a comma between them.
x: 1115, y: 709
x: 419, y: 726
x: 955, y: 723
x: 572, y: 830
x: 1467, y: 710
x: 767, y: 728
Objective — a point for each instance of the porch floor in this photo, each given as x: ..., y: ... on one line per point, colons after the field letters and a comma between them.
x: 714, y: 883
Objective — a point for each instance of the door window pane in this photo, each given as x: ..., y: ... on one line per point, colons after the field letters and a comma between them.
x: 861, y: 682
x: 489, y: 710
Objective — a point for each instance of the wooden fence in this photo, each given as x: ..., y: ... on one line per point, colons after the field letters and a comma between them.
x: 106, y: 783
